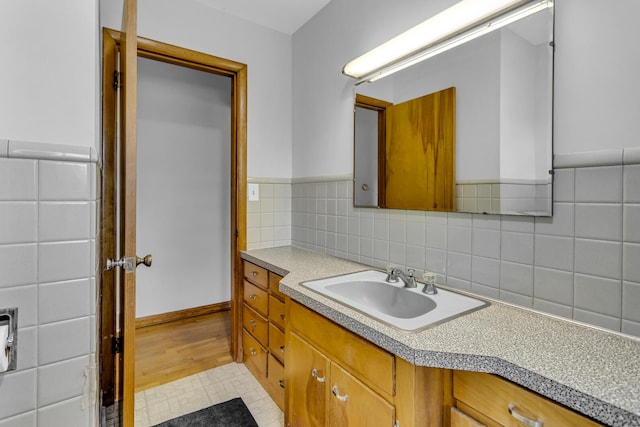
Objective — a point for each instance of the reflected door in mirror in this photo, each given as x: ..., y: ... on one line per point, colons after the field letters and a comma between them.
x: 420, y: 166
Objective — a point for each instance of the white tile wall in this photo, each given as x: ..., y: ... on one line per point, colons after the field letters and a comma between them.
x: 269, y: 219
x: 47, y: 238
x: 582, y: 263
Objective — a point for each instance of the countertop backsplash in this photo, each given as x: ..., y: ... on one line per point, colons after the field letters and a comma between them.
x: 579, y: 264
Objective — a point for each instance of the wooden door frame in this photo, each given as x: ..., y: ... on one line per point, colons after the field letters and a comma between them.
x: 171, y: 54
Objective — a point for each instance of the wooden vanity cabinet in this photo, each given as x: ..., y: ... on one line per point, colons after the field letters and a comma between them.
x: 263, y: 329
x: 485, y: 399
x: 336, y: 378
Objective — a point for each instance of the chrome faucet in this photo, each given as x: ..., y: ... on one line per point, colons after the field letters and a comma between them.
x: 408, y: 279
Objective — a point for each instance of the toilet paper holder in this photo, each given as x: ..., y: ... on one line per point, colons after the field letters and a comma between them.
x: 9, y: 317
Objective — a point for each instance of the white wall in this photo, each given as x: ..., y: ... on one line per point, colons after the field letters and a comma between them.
x: 190, y: 24
x: 183, y: 209
x: 597, y: 64
x: 48, y: 77
x: 49, y: 94
x: 597, y: 61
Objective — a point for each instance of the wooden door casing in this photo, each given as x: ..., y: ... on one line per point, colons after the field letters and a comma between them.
x: 138, y: 46
x: 106, y: 279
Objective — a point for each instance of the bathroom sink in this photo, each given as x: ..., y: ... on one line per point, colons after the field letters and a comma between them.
x: 391, y: 303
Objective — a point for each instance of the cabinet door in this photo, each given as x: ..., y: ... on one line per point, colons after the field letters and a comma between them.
x: 460, y: 419
x: 306, y: 379
x: 354, y: 404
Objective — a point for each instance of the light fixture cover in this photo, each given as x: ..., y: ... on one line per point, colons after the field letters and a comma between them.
x: 460, y: 17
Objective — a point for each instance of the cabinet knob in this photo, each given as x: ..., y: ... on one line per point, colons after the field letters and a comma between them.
x: 252, y: 351
x: 314, y: 374
x: 253, y: 323
x: 281, y: 349
x: 281, y: 316
x: 526, y: 421
x: 252, y: 296
x: 254, y: 273
x: 336, y: 393
x: 281, y: 383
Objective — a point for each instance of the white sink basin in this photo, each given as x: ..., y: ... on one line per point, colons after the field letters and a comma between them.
x: 391, y: 303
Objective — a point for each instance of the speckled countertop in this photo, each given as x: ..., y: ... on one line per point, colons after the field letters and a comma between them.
x: 592, y: 371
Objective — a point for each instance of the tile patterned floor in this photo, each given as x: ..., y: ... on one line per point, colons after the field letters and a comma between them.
x: 207, y: 388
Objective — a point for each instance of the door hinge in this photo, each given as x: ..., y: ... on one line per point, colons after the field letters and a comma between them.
x: 116, y: 79
x: 116, y: 345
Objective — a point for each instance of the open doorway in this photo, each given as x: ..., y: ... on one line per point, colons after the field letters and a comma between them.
x: 183, y: 219
x: 229, y: 230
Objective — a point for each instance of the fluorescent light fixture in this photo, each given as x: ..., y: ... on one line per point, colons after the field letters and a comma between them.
x: 459, y: 24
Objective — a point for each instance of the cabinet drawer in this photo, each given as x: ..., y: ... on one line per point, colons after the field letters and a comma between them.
x: 256, y: 298
x: 276, y: 311
x: 254, y: 355
x: 256, y: 275
x: 369, y: 363
x: 274, y: 282
x: 492, y: 396
x: 275, y: 379
x: 255, y: 324
x: 276, y: 342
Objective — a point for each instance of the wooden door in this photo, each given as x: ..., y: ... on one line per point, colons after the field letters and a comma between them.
x: 420, y: 164
x: 128, y: 151
x: 306, y: 379
x: 354, y: 404
x: 117, y: 288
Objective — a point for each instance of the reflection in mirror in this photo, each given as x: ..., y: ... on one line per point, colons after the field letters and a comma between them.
x: 503, y: 117
x: 369, y: 141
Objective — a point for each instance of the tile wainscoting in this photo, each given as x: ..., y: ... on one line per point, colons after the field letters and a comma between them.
x: 581, y: 264
x: 47, y: 270
x: 269, y: 219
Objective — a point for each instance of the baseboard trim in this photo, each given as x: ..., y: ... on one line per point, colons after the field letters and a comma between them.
x: 158, y: 319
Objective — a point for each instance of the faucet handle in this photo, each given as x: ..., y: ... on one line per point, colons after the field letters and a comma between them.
x: 391, y: 278
x: 429, y: 277
x: 430, y: 283
x: 411, y: 272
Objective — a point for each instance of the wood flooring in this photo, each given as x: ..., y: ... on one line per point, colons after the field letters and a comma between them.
x: 177, y: 349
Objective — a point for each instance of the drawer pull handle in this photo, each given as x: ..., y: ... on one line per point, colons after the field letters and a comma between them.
x: 253, y: 323
x: 314, y: 374
x: 336, y: 393
x: 252, y: 351
x: 281, y: 383
x: 522, y: 418
x: 252, y: 296
x: 281, y: 316
x: 281, y: 349
x: 254, y: 273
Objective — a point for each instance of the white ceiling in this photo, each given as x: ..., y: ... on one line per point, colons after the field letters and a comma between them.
x: 286, y: 16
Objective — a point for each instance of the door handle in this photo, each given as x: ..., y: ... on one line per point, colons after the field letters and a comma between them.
x: 128, y: 263
x: 146, y: 260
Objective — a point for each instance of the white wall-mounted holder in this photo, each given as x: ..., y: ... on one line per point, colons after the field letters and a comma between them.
x: 8, y: 339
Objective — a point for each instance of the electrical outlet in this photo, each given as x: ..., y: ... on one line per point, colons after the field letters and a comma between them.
x: 254, y: 192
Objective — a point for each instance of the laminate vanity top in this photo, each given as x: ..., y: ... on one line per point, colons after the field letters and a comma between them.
x: 590, y: 370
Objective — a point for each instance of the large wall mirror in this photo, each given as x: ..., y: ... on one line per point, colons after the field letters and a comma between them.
x: 503, y: 122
